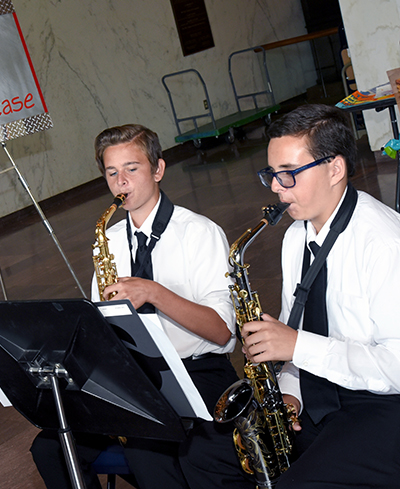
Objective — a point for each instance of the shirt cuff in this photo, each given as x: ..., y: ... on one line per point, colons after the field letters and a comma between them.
x: 310, y: 352
x: 289, y: 382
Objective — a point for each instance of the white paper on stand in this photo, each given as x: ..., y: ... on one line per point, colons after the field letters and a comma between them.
x: 153, y: 326
x: 114, y: 309
x: 4, y: 399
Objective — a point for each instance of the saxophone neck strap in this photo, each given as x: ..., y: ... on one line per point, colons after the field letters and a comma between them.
x: 160, y: 222
x: 338, y: 225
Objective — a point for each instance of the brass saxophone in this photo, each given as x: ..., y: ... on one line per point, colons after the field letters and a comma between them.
x: 105, y: 268
x: 262, y: 436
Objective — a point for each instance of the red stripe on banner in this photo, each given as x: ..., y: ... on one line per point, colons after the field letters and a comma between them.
x: 29, y: 61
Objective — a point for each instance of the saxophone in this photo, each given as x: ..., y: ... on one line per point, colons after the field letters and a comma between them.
x: 106, y: 271
x: 261, y: 436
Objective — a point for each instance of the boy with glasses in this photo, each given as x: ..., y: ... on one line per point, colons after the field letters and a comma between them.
x: 342, y: 355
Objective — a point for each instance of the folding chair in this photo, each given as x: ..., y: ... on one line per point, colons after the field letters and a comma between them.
x: 112, y: 462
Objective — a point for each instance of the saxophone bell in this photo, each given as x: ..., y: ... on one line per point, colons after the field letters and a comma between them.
x: 256, y: 454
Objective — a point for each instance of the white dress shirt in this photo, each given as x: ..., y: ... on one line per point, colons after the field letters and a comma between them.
x: 362, y: 351
x: 190, y: 259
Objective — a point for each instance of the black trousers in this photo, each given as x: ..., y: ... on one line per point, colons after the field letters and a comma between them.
x: 355, y: 447
x: 207, y: 458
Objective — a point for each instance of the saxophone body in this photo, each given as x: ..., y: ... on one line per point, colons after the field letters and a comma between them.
x: 105, y: 268
x: 261, y: 436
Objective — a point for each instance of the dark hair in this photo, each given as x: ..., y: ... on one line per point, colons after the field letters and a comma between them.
x: 327, y: 128
x: 143, y: 137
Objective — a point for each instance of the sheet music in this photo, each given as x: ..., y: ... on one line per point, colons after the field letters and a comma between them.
x: 4, y: 399
x: 115, y: 309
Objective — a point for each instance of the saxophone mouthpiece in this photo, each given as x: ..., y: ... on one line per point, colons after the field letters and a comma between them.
x: 274, y: 213
x: 119, y: 200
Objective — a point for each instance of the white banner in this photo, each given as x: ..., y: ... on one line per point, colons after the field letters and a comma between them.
x: 22, y: 107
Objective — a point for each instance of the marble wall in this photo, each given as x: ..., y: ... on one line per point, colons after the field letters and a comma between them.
x: 100, y: 63
x: 373, y: 33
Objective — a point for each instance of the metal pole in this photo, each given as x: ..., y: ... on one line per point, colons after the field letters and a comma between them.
x: 66, y: 439
x: 44, y: 219
x: 395, y: 129
x: 3, y: 287
x: 319, y: 69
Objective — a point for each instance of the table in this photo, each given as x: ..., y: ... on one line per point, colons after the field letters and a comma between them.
x: 379, y: 105
x: 306, y: 37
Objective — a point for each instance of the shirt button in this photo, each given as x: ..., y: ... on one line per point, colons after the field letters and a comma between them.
x: 305, y: 363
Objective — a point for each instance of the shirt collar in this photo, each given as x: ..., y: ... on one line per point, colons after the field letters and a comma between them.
x: 146, y: 227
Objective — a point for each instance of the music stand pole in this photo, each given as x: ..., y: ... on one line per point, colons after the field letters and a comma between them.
x: 66, y: 438
x: 43, y: 217
x: 3, y: 287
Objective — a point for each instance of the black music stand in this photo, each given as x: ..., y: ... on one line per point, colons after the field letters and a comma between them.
x: 61, y: 358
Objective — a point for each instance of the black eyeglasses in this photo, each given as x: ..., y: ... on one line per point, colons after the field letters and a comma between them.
x: 286, y: 178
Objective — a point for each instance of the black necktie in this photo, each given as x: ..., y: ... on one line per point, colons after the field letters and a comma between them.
x: 320, y: 396
x: 141, y: 252
x: 143, y: 267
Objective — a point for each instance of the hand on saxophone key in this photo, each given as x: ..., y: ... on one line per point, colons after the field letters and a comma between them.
x: 201, y: 320
x: 268, y: 340
x: 137, y: 290
x: 293, y: 408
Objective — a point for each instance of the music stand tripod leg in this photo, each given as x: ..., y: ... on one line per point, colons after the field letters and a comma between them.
x: 3, y: 287
x: 44, y: 219
x: 66, y: 438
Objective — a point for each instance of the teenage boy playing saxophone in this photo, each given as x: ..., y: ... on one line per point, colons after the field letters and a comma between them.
x: 345, y: 381
x: 185, y: 285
